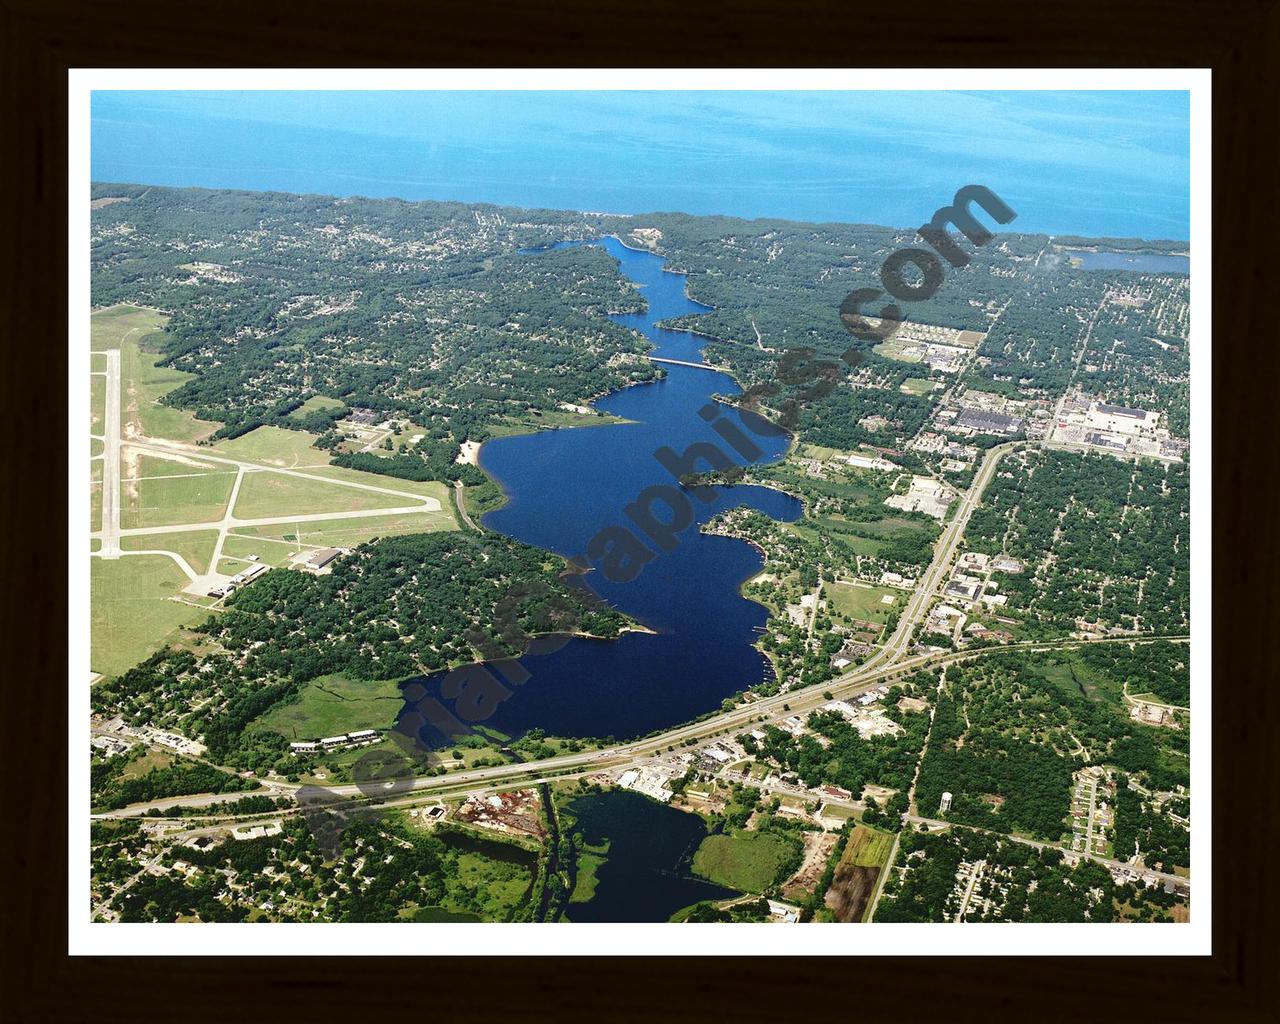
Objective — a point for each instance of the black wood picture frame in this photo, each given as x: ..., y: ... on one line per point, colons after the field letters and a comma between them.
x: 1238, y: 39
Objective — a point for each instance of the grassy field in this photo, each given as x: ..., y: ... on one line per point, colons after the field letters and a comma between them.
x: 95, y: 495
x: 274, y: 446
x: 315, y: 403
x: 345, y: 533
x: 170, y: 493
x: 196, y: 547
x: 109, y: 328
x: 269, y: 552
x: 894, y: 348
x: 748, y: 861
x: 277, y: 494
x: 142, y: 382
x: 97, y: 404
x: 867, y: 847
x: 490, y: 878
x: 917, y: 386
x: 584, y: 887
x: 131, y: 614
x: 331, y: 705
x: 423, y: 488
x: 865, y: 603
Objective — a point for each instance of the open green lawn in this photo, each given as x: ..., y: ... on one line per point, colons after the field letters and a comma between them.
x: 97, y: 403
x: 346, y: 533
x: 269, y: 552
x: 168, y: 493
x: 196, y: 547
x: 749, y: 861
x: 142, y: 382
x: 131, y: 614
x: 108, y: 328
x: 423, y: 488
x: 274, y: 446
x: 95, y: 495
x: 315, y: 403
x: 278, y: 494
x: 331, y: 705
x: 894, y: 349
x: 917, y: 386
x: 865, y: 603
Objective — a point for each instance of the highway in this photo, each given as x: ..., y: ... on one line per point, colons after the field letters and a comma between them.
x: 769, y: 709
x: 918, y: 604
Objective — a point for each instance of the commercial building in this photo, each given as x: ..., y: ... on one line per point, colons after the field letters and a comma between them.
x: 985, y: 422
x: 319, y: 559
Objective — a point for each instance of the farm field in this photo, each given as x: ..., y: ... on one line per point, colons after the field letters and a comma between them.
x: 749, y: 861
x: 855, y: 877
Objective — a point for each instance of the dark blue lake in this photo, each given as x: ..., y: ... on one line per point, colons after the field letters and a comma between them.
x: 564, y: 486
x: 646, y: 874
x: 1141, y: 262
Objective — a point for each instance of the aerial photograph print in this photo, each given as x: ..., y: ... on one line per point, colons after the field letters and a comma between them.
x: 636, y: 504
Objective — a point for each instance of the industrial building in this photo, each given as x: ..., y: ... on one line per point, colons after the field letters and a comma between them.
x: 984, y: 422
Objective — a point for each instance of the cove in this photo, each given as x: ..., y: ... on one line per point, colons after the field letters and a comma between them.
x: 645, y: 875
x: 563, y: 486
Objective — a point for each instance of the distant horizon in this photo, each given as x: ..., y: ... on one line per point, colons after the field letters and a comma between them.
x: 1095, y: 164
x: 998, y: 229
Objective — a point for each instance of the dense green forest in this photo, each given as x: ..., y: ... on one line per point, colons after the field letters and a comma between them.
x: 1105, y: 541
x: 393, y: 608
x: 1010, y: 729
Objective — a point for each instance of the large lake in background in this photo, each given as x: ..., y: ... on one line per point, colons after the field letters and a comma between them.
x: 1103, y: 164
x: 564, y: 486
